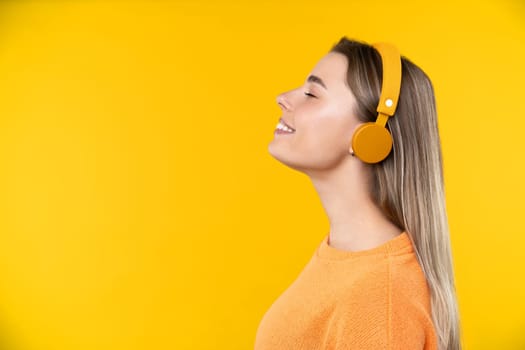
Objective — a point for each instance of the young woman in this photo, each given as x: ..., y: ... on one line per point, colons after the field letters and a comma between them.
x: 382, y: 278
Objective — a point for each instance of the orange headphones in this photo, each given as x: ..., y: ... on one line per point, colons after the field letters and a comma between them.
x: 372, y: 141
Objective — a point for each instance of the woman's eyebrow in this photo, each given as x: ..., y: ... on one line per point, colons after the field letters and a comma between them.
x: 317, y: 80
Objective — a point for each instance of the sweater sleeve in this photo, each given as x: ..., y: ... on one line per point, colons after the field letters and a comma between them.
x: 377, y: 318
x: 374, y: 325
x: 407, y: 329
x: 411, y: 325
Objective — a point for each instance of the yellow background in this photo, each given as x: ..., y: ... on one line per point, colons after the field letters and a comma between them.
x: 139, y: 206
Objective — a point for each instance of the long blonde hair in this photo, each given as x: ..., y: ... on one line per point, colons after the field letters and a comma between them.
x: 408, y: 184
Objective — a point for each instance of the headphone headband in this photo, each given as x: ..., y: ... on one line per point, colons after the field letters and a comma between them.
x: 391, y: 61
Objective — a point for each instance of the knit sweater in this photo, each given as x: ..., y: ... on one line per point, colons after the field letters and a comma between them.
x: 369, y: 299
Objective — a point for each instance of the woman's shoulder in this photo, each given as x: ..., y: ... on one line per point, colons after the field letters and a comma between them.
x: 396, y: 279
x: 407, y: 279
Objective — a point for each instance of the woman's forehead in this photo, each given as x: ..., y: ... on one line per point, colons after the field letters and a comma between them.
x: 331, y: 70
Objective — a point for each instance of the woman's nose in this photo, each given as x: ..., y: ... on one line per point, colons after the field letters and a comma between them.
x: 282, y: 102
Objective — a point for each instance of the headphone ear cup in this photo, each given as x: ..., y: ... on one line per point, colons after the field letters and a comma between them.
x: 371, y: 142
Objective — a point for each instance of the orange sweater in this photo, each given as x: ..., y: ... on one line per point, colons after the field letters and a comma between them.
x: 369, y: 299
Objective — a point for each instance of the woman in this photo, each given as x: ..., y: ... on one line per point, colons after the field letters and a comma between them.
x: 382, y: 278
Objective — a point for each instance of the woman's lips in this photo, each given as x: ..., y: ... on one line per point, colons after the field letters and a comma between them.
x: 285, y: 123
x: 278, y: 131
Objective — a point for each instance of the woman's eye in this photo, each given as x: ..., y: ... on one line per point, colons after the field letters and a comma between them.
x: 309, y: 94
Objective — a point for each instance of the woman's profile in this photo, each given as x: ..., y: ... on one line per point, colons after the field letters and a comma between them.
x: 363, y: 127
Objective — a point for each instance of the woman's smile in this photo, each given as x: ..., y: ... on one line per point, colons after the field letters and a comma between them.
x: 281, y: 129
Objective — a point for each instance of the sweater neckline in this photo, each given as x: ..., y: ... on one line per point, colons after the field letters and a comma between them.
x: 401, y: 244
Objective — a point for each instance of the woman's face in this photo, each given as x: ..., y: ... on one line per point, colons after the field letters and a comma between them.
x: 323, y: 124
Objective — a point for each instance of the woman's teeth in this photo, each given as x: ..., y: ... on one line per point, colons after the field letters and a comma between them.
x: 281, y: 126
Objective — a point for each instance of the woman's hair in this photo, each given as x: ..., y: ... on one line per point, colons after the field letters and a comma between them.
x: 408, y: 184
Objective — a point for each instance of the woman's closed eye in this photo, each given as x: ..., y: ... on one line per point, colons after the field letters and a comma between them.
x: 309, y: 94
